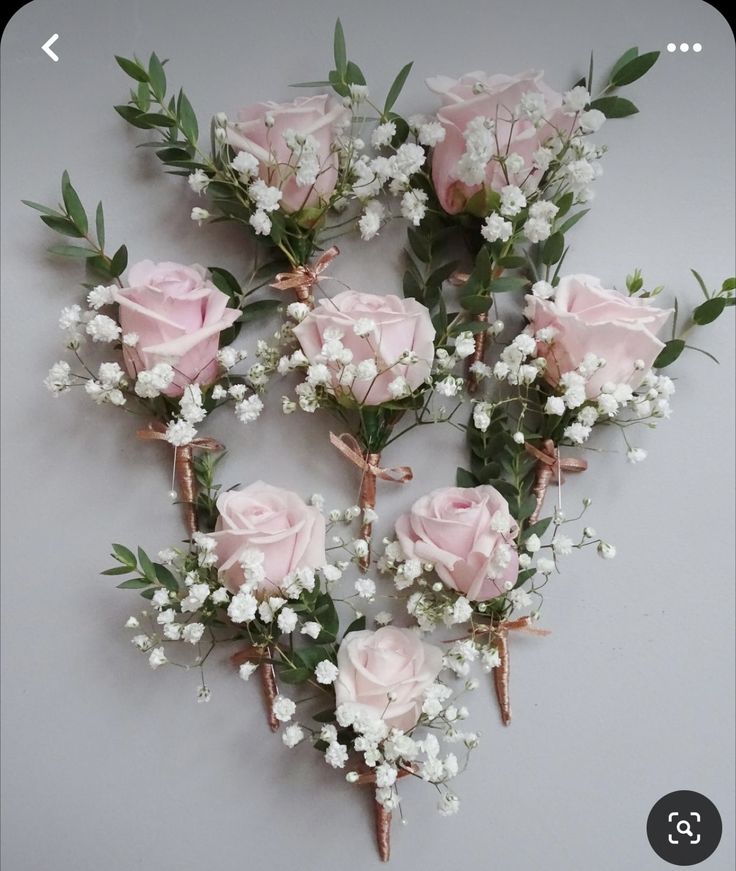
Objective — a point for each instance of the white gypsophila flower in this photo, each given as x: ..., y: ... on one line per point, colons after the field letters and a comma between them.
x: 430, y: 133
x: 358, y: 93
x: 283, y: 708
x: 383, y: 134
x: 157, y: 658
x: 449, y: 386
x: 543, y: 290
x: 228, y: 357
x: 479, y: 144
x: 588, y: 415
x: 578, y: 433
x: 636, y: 455
x: 243, y: 607
x: 524, y: 560
x: 544, y: 210
x: 190, y: 404
x: 490, y: 659
x: 561, y: 545
x: 365, y: 588
x: 307, y: 397
x: 151, y: 382
x: 245, y: 164
x: 545, y: 334
x: 537, y: 229
x: 482, y: 370
x: 482, y: 416
x: 179, y: 433
x: 606, y: 550
x: 166, y: 616
x: 409, y: 158
x: 246, y: 670
x: 554, y: 405
x: 196, y: 597
x: 366, y: 370
x: 297, y: 311
x: 220, y: 596
x: 532, y: 543
x: 193, y: 632
x: 197, y: 214
x: 545, y: 566
x: 575, y: 100
x: 219, y: 392
x: 110, y: 375
x: 160, y: 598
x: 385, y: 775
x: 132, y: 623
x: 326, y: 672
x: 414, y: 206
x: 532, y: 106
x: 249, y: 410
x: 495, y: 228
x: 519, y: 437
x: 103, y: 329
x: 70, y: 317
x: 293, y: 734
x: 383, y: 618
x: 512, y: 200
x: 370, y: 221
x: 130, y: 340
x: 172, y: 631
x: 462, y: 610
x: 287, y: 620
x: 100, y: 296
x: 592, y: 120
x: 464, y: 344
x: 311, y: 629
x: 198, y: 181
x: 265, y: 197
x: 514, y: 163
x: 399, y: 388
x: 203, y: 695
x: 360, y: 547
x: 336, y: 755
x: 260, y: 222
x: 59, y: 379
x: 448, y: 805
x: 607, y: 405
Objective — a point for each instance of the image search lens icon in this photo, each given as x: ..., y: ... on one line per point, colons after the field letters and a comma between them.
x: 684, y: 827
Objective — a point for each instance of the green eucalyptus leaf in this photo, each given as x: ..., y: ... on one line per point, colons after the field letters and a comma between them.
x: 119, y: 261
x: 396, y: 87
x: 100, y: 225
x: 634, y: 69
x: 260, y: 309
x: 125, y: 555
x: 625, y: 58
x: 669, y: 353
x: 709, y: 310
x: 118, y: 570
x: 157, y: 77
x: 73, y: 205
x: 614, y: 107
x: 187, y: 118
x: 165, y: 578
x: 340, y: 51
x: 509, y: 283
x: 464, y: 478
x: 553, y: 248
x: 43, y: 209
x: 147, y: 567
x: 131, y: 68
x: 72, y: 251
x: 62, y: 225
x: 134, y: 584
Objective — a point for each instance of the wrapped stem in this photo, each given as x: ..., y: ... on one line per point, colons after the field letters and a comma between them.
x: 542, y: 478
x: 185, y: 480
x: 381, y: 815
x: 269, y: 687
x: 477, y: 356
x: 367, y: 499
x: 501, y: 674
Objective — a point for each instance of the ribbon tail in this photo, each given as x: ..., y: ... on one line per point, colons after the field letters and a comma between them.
x: 501, y: 677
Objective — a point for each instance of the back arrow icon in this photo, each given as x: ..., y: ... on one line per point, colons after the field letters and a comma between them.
x: 47, y: 47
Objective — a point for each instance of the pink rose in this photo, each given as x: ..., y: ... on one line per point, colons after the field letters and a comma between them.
x: 390, y: 660
x: 468, y: 534
x: 316, y: 117
x: 496, y: 98
x: 400, y: 325
x: 588, y: 319
x: 178, y: 316
x: 277, y: 523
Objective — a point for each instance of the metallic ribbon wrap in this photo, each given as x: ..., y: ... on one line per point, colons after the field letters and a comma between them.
x: 550, y: 467
x: 458, y: 279
x: 302, y: 279
x: 369, y: 464
x: 183, y: 469
x: 381, y: 816
x: 270, y: 689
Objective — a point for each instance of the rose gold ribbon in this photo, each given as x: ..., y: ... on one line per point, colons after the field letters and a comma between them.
x: 270, y: 689
x: 183, y: 468
x: 499, y: 632
x: 458, y: 279
x: 548, y: 461
x: 382, y: 816
x: 303, y: 278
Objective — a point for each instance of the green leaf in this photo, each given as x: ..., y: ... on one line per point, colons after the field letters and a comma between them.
x: 538, y: 528
x: 62, y: 225
x: 124, y: 555
x: 728, y: 284
x: 72, y: 251
x: 165, y: 578
x: 155, y: 119
x: 326, y: 615
x: 260, y: 309
x: 508, y: 283
x: 398, y: 84
x: 564, y: 203
x: 118, y: 570
x: 147, y: 567
x: 553, y: 248
x: 326, y: 716
x: 100, y: 225
x: 73, y: 204
x: 143, y: 97
x: 354, y: 74
x: 411, y: 287
x: 700, y: 281
x: 119, y: 261
x: 157, y: 76
x: 464, y: 478
x: 572, y: 220
x: 187, y: 118
x: 134, y: 584
x: 358, y: 625
x: 419, y: 244
x: 634, y: 69
x: 709, y: 310
x: 294, y: 675
x: 441, y: 274
x: 134, y: 70
x: 614, y: 107
x: 625, y: 58
x: 669, y: 353
x: 511, y: 261
x: 322, y: 84
x: 224, y: 281
x: 476, y: 305
x: 44, y: 209
x: 131, y: 114
x: 341, y: 55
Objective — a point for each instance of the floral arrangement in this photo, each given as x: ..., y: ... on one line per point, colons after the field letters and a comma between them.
x: 490, y: 188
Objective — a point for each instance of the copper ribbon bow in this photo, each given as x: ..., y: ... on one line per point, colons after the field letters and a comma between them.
x: 183, y: 468
x: 303, y: 278
x: 349, y: 447
x: 548, y: 462
x: 499, y: 632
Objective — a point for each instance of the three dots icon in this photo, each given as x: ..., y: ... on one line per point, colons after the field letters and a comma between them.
x: 684, y: 46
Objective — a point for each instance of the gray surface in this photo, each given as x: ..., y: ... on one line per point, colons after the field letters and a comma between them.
x: 108, y: 765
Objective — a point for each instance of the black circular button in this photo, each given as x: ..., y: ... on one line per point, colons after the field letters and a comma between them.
x: 684, y: 827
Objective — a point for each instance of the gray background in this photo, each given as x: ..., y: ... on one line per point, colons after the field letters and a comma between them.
x: 108, y: 765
